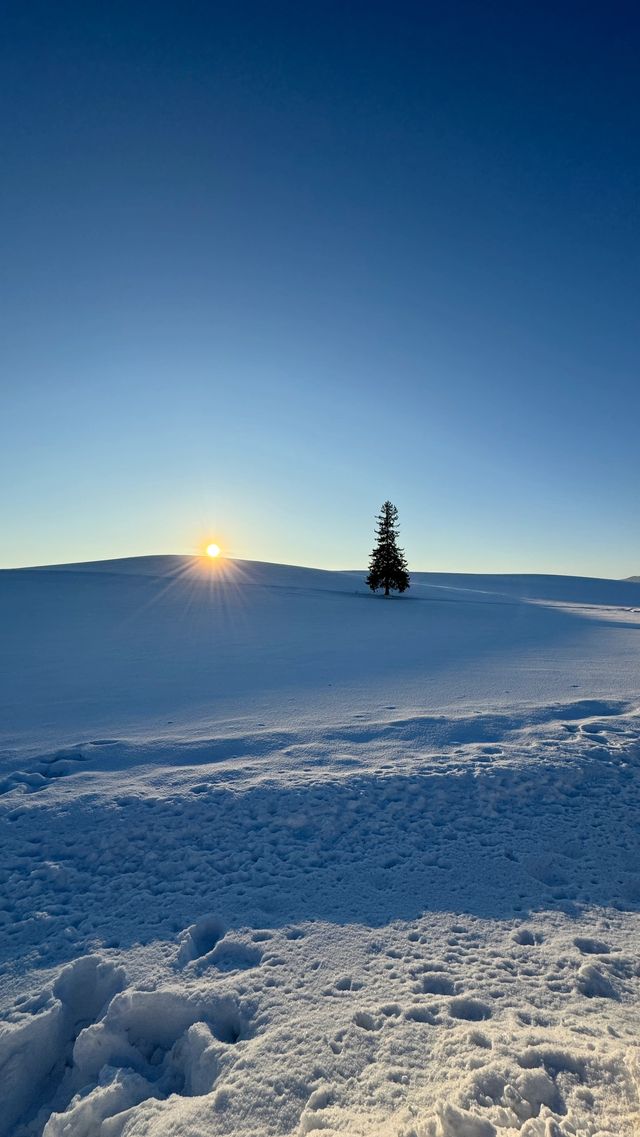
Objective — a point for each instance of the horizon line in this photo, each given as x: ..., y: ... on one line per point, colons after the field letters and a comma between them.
x: 311, y: 568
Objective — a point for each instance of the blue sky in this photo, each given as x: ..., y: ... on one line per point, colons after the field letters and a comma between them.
x: 266, y: 265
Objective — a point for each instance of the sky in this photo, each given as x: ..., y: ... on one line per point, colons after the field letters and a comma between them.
x: 266, y: 265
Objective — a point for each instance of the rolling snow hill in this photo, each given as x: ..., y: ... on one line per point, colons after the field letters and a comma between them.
x: 280, y: 855
x: 174, y: 646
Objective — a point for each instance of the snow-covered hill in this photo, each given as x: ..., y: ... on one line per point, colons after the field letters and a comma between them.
x: 280, y: 855
x: 174, y: 646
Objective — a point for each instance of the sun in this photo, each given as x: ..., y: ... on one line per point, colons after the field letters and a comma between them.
x: 213, y: 550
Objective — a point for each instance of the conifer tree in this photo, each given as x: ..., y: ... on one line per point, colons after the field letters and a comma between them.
x: 387, y: 565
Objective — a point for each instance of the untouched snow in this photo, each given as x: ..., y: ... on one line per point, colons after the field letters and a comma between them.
x: 280, y: 856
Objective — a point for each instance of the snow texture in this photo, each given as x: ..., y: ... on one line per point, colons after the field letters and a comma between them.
x: 280, y: 856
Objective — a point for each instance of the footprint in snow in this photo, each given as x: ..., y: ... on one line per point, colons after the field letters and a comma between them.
x: 435, y: 983
x: 366, y: 1021
x: 472, y: 1010
x: 347, y: 983
x: 527, y: 937
x: 420, y: 1014
x: 591, y: 947
x: 199, y: 940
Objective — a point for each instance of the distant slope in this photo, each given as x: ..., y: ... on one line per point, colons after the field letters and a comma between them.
x: 159, y: 645
x: 264, y: 573
x: 435, y: 585
x: 536, y: 586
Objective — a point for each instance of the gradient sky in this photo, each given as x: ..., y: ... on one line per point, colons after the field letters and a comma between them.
x: 265, y: 265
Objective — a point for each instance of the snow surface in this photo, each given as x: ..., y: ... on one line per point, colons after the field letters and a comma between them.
x: 280, y: 856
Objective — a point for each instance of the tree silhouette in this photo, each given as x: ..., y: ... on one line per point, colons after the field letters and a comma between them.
x: 387, y: 565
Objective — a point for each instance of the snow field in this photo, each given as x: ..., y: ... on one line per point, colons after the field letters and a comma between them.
x: 351, y: 933
x: 279, y: 857
x: 160, y: 649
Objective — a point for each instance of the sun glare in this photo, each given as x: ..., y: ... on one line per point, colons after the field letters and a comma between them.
x: 213, y: 550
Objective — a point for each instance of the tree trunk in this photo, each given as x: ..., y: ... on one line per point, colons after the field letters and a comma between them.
x: 386, y: 589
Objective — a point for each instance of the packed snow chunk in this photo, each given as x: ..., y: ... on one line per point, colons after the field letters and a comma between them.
x: 555, y: 1061
x: 513, y: 1099
x: 454, y: 1122
x: 321, y: 1097
x: 537, y: 1089
x: 189, y: 1069
x: 117, y: 1091
x: 197, y: 1055
x: 35, y: 1047
x: 593, y: 983
x: 312, y: 1118
x: 140, y: 1029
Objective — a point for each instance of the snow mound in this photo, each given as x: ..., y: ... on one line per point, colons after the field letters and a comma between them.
x: 36, y: 1042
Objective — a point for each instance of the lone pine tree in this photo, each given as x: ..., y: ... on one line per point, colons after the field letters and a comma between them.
x: 387, y: 565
